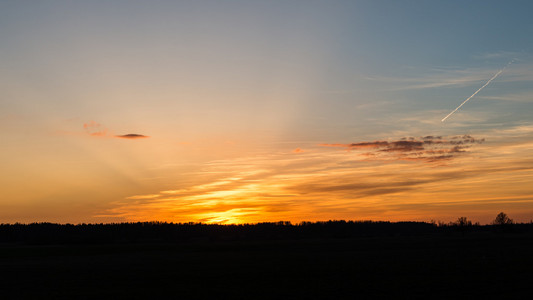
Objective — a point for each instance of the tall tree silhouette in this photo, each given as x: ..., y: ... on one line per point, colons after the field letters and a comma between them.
x: 502, y: 219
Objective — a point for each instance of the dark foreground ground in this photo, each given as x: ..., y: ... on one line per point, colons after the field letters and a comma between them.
x: 488, y: 265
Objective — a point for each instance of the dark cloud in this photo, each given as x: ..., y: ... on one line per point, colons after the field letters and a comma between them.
x: 428, y: 148
x: 404, y: 146
x: 132, y: 136
x: 376, y: 144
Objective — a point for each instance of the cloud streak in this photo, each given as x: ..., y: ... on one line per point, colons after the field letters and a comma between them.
x: 445, y: 77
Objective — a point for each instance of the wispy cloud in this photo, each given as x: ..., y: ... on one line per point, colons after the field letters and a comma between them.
x: 95, y: 129
x: 514, y: 97
x: 498, y: 55
x: 438, y: 79
x: 453, y: 78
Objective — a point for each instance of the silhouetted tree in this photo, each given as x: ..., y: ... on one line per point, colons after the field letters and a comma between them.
x: 463, y: 222
x: 502, y: 219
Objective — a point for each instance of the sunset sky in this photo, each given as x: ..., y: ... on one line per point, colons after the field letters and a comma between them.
x: 256, y: 111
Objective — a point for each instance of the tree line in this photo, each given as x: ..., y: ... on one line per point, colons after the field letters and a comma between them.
x: 147, y: 232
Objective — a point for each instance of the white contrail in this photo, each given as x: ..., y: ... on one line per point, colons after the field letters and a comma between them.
x: 493, y: 77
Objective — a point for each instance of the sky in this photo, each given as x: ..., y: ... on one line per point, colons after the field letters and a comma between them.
x: 261, y: 111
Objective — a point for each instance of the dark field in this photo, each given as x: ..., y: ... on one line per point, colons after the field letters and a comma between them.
x: 437, y: 264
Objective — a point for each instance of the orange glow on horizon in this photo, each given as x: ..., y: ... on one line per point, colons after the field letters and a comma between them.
x: 318, y: 186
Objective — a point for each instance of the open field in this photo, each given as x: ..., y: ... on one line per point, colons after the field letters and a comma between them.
x: 435, y: 265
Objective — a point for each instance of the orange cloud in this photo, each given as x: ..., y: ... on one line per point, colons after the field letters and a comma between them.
x: 95, y: 129
x: 298, y: 150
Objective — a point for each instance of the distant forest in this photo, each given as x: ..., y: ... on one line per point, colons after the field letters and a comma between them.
x: 162, y: 232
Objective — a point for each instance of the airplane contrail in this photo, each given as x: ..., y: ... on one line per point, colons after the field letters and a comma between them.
x: 487, y: 83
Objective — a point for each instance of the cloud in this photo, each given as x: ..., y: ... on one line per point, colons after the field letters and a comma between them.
x: 524, y: 97
x: 440, y: 79
x: 446, y: 77
x: 428, y: 148
x: 95, y: 129
x: 132, y: 136
x: 298, y: 150
x: 497, y: 55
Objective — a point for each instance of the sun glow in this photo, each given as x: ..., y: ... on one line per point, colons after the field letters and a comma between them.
x: 232, y: 216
